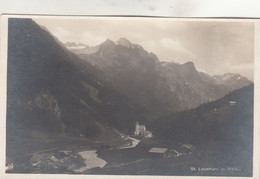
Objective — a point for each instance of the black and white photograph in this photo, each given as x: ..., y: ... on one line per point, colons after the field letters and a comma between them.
x: 146, y: 96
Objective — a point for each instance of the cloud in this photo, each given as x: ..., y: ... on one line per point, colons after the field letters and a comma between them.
x: 246, y: 69
x: 149, y: 45
x: 91, y: 39
x: 60, y: 32
x: 171, y: 44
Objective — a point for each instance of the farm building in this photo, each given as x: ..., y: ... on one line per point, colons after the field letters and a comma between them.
x: 232, y: 103
x: 158, y: 152
x: 187, y: 148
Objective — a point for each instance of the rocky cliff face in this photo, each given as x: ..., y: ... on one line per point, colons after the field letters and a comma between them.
x: 194, y: 88
x: 52, y: 90
x: 159, y: 87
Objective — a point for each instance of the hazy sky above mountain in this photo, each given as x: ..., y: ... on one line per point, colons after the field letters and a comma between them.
x: 215, y: 47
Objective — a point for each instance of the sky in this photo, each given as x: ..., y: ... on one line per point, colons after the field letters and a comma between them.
x: 214, y: 46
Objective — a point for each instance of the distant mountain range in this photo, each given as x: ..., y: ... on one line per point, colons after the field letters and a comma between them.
x: 159, y: 87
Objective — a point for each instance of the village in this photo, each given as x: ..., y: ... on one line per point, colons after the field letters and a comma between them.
x: 182, y: 149
x: 74, y: 160
x: 70, y: 161
x: 57, y: 160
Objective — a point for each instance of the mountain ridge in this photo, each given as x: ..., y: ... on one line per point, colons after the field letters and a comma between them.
x: 128, y: 44
x: 182, y: 82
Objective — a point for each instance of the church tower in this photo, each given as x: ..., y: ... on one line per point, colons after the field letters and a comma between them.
x: 137, y: 131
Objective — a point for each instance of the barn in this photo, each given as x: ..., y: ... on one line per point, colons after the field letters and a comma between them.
x: 157, y: 152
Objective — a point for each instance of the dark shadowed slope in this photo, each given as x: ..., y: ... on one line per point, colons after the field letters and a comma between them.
x: 52, y: 91
x: 233, y: 110
x: 223, y: 130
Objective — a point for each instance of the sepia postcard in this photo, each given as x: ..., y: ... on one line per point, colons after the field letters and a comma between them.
x: 96, y: 96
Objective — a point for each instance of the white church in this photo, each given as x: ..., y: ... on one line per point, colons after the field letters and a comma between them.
x: 141, y: 131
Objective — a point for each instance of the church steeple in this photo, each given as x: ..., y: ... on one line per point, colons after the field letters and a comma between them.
x: 136, y: 126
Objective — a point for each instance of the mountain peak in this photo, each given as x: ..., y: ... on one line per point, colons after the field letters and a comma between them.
x: 74, y: 45
x: 124, y: 42
x: 189, y: 65
x: 108, y: 41
x: 233, y: 76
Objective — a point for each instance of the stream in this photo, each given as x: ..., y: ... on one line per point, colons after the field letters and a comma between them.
x: 91, y: 159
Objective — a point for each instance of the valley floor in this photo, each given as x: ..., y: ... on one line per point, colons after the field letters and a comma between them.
x: 111, y: 157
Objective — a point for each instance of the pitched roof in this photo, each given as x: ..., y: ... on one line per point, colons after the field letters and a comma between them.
x: 158, y: 150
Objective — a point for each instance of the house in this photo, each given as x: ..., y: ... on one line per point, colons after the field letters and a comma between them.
x: 35, y: 164
x: 172, y: 153
x: 54, y: 159
x: 148, y: 134
x: 61, y: 155
x: 158, y: 152
x: 9, y: 166
x: 141, y: 131
x: 175, y: 153
x: 187, y: 148
x: 40, y: 156
x: 66, y: 152
x: 232, y: 103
